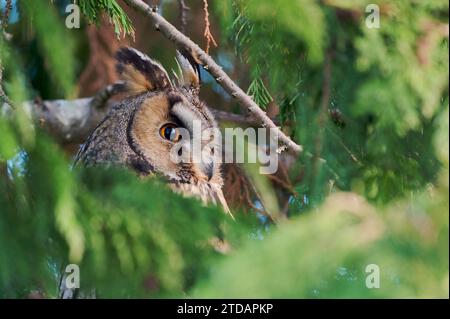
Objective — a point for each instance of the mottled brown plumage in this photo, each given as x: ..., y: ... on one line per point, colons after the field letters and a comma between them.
x: 141, y: 131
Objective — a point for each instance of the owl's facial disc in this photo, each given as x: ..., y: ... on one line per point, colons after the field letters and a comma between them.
x: 177, y: 138
x: 199, y: 139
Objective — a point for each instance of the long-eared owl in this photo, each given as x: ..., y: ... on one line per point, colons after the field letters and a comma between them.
x: 144, y: 130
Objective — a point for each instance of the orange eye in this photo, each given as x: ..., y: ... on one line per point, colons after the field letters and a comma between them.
x: 170, y: 132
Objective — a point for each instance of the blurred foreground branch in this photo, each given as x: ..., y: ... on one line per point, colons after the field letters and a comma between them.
x: 174, y: 35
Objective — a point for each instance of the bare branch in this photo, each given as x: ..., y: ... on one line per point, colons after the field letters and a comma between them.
x: 182, y: 41
x: 68, y: 121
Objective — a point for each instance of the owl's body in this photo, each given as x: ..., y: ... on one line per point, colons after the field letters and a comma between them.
x: 145, y: 130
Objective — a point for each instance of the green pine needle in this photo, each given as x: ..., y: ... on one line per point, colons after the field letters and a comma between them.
x: 93, y: 9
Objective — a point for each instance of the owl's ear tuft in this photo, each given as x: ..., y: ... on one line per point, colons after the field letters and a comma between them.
x: 140, y: 73
x: 189, y: 70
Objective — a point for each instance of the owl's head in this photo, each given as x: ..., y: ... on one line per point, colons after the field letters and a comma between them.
x: 161, y: 127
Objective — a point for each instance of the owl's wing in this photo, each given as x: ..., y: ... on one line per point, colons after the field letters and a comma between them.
x: 82, y: 154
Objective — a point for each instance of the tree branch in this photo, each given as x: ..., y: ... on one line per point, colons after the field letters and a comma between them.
x: 174, y: 35
x: 68, y: 121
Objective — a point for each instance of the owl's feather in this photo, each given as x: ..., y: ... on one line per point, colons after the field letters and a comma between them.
x: 140, y: 73
x: 190, y: 70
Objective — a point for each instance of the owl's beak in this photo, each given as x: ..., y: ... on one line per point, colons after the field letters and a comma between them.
x: 207, y: 163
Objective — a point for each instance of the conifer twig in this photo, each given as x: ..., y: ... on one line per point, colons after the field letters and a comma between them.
x: 182, y: 41
x: 208, y: 35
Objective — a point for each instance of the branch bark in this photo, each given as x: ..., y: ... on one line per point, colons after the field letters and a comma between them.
x: 182, y: 41
x: 68, y: 121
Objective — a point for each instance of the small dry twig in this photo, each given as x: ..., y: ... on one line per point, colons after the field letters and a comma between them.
x: 208, y: 35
